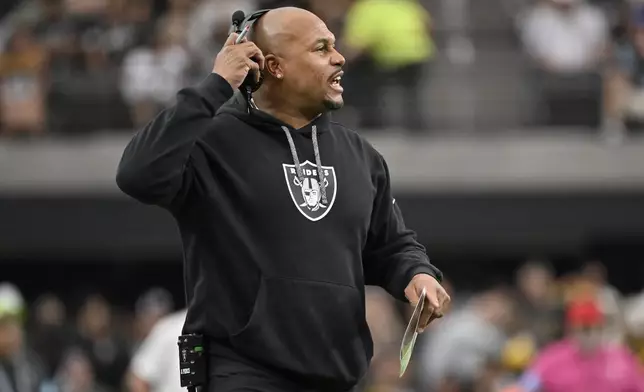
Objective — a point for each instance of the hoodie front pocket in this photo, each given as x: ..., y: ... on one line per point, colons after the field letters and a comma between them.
x: 314, y: 329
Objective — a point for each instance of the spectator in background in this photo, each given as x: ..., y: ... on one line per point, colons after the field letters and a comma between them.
x: 20, y: 369
x: 567, y: 41
x: 539, y: 307
x: 152, y: 306
x: 462, y: 346
x: 384, y: 322
x: 384, y: 374
x: 50, y: 335
x: 82, y: 40
x: 208, y: 29
x: 634, y: 321
x: 387, y: 42
x: 565, y: 36
x: 155, y: 366
x: 88, y: 18
x: 625, y: 78
x: 55, y: 30
x: 126, y: 25
x: 609, y: 301
x: 58, y: 32
x: 77, y: 375
x: 153, y: 74
x: 176, y: 19
x: 583, y: 362
x: 540, y: 315
x: 519, y: 351
x: 23, y: 78
x: 106, y: 351
x: 387, y: 329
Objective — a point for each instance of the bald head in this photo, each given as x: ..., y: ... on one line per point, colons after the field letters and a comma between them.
x: 301, y: 65
x: 282, y: 26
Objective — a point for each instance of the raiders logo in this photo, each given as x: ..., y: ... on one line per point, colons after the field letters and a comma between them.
x: 307, y: 194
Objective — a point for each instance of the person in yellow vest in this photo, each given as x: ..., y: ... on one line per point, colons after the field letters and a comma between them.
x: 395, y: 35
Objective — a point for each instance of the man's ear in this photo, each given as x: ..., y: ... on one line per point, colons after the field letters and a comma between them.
x: 273, y: 67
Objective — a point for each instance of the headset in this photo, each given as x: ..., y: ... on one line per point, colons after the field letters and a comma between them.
x: 241, y: 25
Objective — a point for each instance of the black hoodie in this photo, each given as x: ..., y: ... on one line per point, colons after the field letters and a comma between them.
x: 276, y: 258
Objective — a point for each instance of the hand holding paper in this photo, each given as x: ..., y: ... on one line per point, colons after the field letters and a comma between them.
x: 430, y: 300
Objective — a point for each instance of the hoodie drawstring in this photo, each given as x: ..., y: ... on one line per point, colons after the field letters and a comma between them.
x: 318, y: 160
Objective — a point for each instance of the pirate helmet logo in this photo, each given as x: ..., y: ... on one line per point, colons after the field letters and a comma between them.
x: 312, y: 196
x: 311, y: 193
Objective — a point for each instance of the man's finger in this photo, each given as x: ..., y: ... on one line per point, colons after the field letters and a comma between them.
x: 443, y: 298
x: 412, y: 296
x: 252, y: 51
x: 231, y: 39
x: 432, y: 300
x: 446, y: 299
x: 253, y: 66
x: 425, y: 318
x: 434, y: 316
x: 259, y: 58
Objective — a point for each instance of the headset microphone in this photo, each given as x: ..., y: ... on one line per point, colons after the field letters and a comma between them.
x: 238, y: 19
x: 241, y: 24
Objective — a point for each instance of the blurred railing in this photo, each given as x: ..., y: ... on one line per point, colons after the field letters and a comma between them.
x: 541, y: 160
x: 548, y: 191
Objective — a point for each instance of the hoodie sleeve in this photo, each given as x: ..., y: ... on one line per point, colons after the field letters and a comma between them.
x: 154, y: 165
x: 392, y: 255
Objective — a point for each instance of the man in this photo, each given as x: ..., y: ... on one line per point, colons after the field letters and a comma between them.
x: 565, y: 36
x: 463, y: 345
x: 149, y: 309
x: 284, y: 214
x: 154, y: 366
x: 539, y: 308
x: 583, y: 362
x: 373, y: 34
x: 625, y: 79
x: 567, y: 41
x: 20, y: 369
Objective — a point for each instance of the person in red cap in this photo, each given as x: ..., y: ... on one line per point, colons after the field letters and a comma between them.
x: 582, y: 361
x: 585, y: 322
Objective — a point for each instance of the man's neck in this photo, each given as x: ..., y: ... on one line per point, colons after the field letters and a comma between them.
x: 283, y: 112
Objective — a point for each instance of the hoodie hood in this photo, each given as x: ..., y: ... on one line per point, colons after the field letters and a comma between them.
x: 238, y: 106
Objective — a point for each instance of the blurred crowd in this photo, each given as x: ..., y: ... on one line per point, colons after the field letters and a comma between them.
x: 80, y: 66
x: 94, y: 65
x: 587, y: 58
x: 488, y: 342
x: 491, y: 340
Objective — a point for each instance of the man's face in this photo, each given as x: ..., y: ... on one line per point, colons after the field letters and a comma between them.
x: 10, y: 336
x: 535, y: 283
x: 312, y: 66
x: 588, y: 338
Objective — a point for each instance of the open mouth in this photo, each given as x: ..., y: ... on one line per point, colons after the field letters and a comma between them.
x: 335, y: 81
